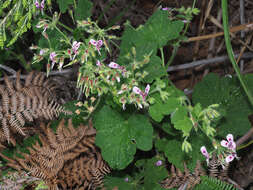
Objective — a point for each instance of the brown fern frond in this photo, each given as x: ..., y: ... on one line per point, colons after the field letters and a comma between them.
x: 27, y: 101
x: 67, y: 159
x: 177, y: 178
x: 213, y: 166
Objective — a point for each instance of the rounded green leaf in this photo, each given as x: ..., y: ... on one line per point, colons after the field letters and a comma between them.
x: 118, y: 138
x: 141, y: 131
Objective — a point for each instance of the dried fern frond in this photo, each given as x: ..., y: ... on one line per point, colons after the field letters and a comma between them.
x: 68, y: 158
x: 178, y: 178
x: 21, y: 102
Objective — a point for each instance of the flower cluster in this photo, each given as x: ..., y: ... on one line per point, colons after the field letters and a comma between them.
x: 228, y: 154
x: 95, y: 77
x: 40, y: 5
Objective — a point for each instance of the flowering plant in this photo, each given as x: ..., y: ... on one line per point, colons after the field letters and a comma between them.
x: 135, y: 107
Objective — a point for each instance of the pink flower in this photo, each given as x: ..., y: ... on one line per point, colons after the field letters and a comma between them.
x: 40, y: 5
x: 159, y: 163
x: 37, y: 4
x: 52, y: 58
x: 98, y: 63
x: 126, y: 179
x: 136, y: 90
x: 114, y: 65
x: 42, y: 51
x: 205, y: 153
x: 45, y: 28
x: 166, y: 9
x: 230, y: 144
x: 75, y: 46
x: 97, y: 44
x: 230, y: 158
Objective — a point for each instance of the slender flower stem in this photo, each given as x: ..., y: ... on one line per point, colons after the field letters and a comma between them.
x: 224, y: 5
x: 161, y: 50
x: 66, y: 38
x: 61, y: 24
x: 174, y: 53
x: 176, y: 46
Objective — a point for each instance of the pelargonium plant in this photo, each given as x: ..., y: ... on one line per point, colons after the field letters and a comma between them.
x: 226, y: 151
x: 96, y: 77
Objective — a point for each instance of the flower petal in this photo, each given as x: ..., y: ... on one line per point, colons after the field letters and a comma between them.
x: 136, y: 90
x: 93, y: 42
x: 204, y: 151
x: 224, y: 143
x: 74, y: 43
x: 113, y: 65
x: 230, y: 138
x: 42, y: 4
x: 98, y: 63
x: 37, y: 4
x: 147, y: 89
x: 99, y: 43
x: 159, y: 163
x: 232, y: 145
x: 230, y: 158
x: 120, y: 92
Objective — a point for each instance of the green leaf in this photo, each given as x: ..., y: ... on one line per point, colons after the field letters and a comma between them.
x: 184, y: 124
x: 169, y: 129
x: 64, y: 5
x: 83, y: 9
x: 179, y: 113
x: 173, y: 151
x: 162, y: 108
x: 157, y: 31
x: 154, y: 69
x: 112, y: 183
x: 54, y: 38
x: 229, y: 95
x: 141, y: 131
x: 152, y: 174
x: 118, y: 138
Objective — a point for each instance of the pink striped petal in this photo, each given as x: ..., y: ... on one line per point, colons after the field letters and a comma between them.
x: 224, y: 143
x: 114, y: 65
x: 99, y: 43
x: 230, y: 158
x: 98, y: 63
x: 231, y: 145
x: 204, y: 151
x: 147, y: 89
x: 230, y: 138
x: 93, y: 42
x: 136, y: 90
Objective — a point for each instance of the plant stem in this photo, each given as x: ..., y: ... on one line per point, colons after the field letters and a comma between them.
x: 66, y: 38
x: 174, y: 53
x: 176, y: 46
x: 61, y: 24
x: 161, y: 50
x: 224, y: 5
